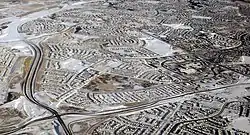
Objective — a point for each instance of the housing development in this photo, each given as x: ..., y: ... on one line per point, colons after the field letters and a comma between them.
x: 125, y: 67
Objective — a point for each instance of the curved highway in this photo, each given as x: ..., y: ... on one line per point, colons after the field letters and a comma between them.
x: 30, y: 83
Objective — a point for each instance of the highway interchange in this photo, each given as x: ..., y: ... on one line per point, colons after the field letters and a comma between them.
x: 123, y: 85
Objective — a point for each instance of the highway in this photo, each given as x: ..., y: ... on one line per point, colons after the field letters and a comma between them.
x: 29, y: 83
x: 116, y: 111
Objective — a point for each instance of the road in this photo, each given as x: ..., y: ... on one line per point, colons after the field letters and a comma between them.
x: 122, y: 111
x: 29, y: 84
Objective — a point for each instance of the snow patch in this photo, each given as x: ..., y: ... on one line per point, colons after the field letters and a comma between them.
x: 158, y: 46
x: 73, y: 64
x: 245, y: 59
x: 114, y: 64
x: 200, y: 17
x: 22, y: 104
x: 242, y: 123
x: 178, y: 26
